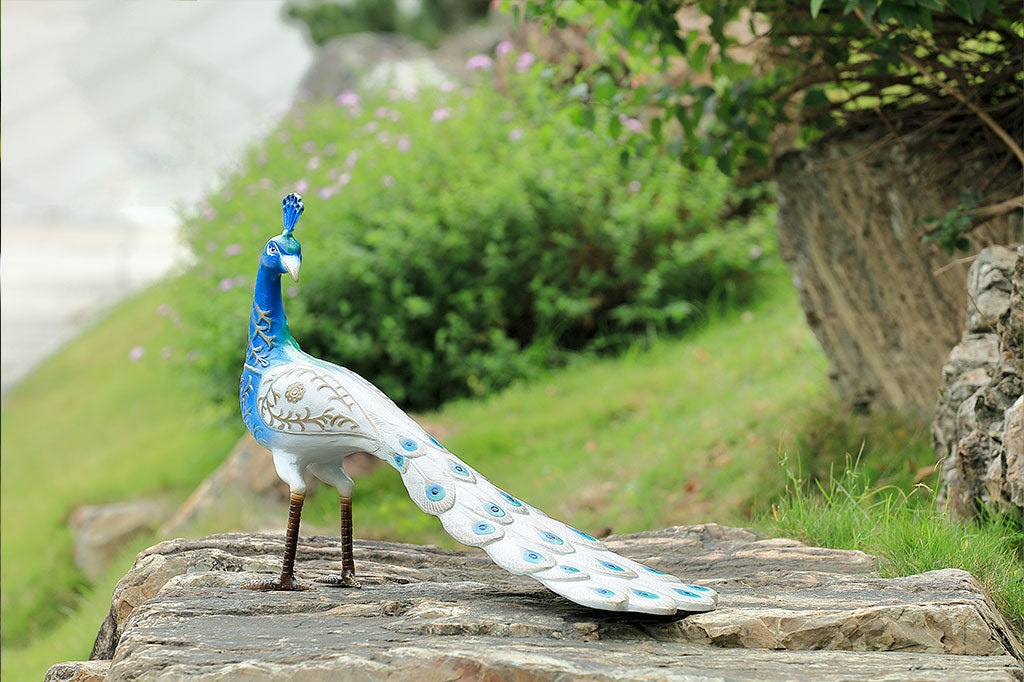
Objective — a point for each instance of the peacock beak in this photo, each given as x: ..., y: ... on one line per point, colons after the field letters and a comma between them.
x: 291, y: 264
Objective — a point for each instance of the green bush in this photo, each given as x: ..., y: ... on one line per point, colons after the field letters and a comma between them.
x: 454, y: 242
x: 326, y: 19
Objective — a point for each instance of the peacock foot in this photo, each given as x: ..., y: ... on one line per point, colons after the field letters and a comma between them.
x: 279, y: 583
x: 346, y: 579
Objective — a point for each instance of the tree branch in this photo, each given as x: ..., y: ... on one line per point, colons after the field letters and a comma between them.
x: 988, y: 120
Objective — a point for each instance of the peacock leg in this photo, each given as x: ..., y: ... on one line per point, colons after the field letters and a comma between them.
x: 337, y: 477
x: 286, y: 581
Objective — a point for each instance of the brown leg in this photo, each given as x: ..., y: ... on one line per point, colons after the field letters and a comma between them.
x: 287, y: 579
x: 348, y: 564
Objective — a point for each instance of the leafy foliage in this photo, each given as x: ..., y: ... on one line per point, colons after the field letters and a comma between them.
x: 325, y: 19
x: 725, y: 91
x: 459, y: 241
x: 948, y: 230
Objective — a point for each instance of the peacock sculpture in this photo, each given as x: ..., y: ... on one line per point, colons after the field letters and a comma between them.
x: 311, y: 414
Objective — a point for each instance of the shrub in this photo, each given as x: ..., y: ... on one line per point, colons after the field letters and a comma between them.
x: 453, y: 242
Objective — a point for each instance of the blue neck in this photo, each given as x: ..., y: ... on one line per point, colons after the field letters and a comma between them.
x: 268, y: 326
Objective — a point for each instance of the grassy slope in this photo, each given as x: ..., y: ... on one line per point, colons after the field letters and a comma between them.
x: 91, y: 426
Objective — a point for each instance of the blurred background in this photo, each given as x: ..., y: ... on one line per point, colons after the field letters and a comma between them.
x: 748, y: 264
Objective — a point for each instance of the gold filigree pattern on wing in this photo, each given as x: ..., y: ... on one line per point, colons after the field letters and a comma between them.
x: 321, y: 405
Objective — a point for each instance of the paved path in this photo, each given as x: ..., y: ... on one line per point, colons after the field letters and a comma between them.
x: 113, y: 114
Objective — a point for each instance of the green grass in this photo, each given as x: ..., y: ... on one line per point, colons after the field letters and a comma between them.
x: 684, y: 432
x: 906, y: 530
x: 92, y: 426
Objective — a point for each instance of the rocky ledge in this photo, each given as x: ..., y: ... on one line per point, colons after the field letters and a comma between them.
x: 787, y: 611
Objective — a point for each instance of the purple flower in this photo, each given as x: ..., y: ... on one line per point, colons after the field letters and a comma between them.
x: 755, y: 252
x: 328, y: 192
x: 503, y: 48
x: 192, y: 356
x: 441, y: 114
x: 209, y: 213
x: 283, y: 136
x: 371, y: 127
x: 635, y: 186
x: 166, y: 352
x: 394, y: 115
x: 226, y: 284
x: 631, y: 124
x: 136, y: 353
x: 313, y: 163
x: 266, y: 183
x: 387, y: 181
x: 292, y: 291
x: 163, y: 310
x: 302, y: 186
x: 232, y: 250
x: 344, y: 179
x: 404, y: 144
x: 515, y: 134
x: 382, y: 112
x: 447, y: 86
x: 350, y: 160
x: 308, y: 147
x: 525, y: 61
x: 347, y: 98
x: 384, y: 137
x: 330, y: 149
x: 479, y: 62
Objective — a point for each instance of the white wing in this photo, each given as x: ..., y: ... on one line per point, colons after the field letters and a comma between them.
x: 525, y: 541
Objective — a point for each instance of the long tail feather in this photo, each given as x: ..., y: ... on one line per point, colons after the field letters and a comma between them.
x: 525, y: 541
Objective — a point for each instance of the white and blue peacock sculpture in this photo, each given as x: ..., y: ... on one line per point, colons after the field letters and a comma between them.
x: 311, y: 414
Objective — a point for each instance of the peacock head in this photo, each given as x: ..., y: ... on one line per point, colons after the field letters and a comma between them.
x: 283, y: 253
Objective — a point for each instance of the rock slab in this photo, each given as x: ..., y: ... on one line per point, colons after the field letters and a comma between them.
x: 787, y: 611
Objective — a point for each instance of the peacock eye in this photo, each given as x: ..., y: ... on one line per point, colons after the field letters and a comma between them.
x: 272, y: 249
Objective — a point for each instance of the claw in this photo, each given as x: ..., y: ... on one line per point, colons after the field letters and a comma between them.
x: 278, y: 583
x: 343, y: 580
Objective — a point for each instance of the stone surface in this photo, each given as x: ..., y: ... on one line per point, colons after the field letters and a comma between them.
x: 976, y: 431
x: 101, y: 530
x: 885, y: 306
x: 787, y: 610
x: 78, y: 671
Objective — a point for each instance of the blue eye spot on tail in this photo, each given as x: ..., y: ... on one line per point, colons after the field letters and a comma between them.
x: 551, y: 537
x: 511, y: 500
x: 612, y: 567
x: 604, y: 592
x: 435, y: 493
x: 483, y: 528
x: 685, y: 593
x: 458, y: 469
x: 494, y: 510
x: 655, y: 572
x: 533, y: 557
x: 570, y: 569
x: 434, y: 441
x: 399, y: 461
x: 409, y: 444
x: 584, y: 535
x: 698, y: 588
x: 645, y: 594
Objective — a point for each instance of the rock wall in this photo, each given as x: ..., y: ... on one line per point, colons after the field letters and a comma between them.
x: 885, y: 307
x: 786, y: 611
x: 977, y: 429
